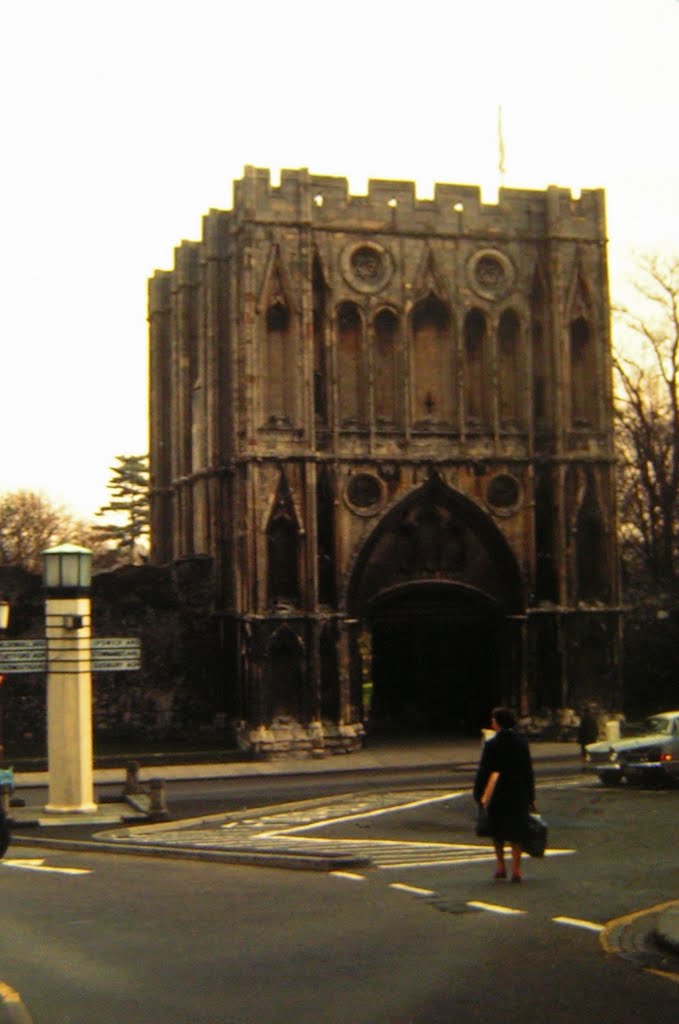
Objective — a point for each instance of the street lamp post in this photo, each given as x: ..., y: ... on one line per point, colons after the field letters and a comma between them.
x: 67, y: 571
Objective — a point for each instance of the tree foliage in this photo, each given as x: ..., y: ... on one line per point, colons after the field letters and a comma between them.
x: 29, y: 523
x: 129, y: 508
x: 647, y: 417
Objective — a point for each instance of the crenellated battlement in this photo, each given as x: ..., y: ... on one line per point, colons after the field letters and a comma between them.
x: 456, y: 209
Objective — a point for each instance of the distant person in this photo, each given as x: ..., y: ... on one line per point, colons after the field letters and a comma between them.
x: 506, y: 786
x: 588, y: 730
x: 5, y: 836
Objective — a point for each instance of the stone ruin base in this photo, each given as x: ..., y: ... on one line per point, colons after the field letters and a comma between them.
x: 285, y: 738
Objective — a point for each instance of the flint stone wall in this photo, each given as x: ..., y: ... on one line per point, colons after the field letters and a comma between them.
x: 175, y: 694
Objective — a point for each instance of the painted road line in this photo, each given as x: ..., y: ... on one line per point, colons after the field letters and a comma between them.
x: 348, y: 874
x: 413, y: 889
x: 39, y: 865
x: 371, y: 813
x: 406, y: 865
x: 483, y: 854
x: 493, y: 907
x: 668, y: 975
x: 576, y: 922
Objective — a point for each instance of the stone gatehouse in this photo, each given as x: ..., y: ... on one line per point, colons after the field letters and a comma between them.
x: 388, y: 421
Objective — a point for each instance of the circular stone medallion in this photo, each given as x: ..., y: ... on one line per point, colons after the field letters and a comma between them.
x: 491, y: 273
x: 366, y: 266
x: 503, y: 493
x: 364, y: 493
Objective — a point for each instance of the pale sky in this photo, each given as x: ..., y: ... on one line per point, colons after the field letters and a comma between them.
x: 123, y: 122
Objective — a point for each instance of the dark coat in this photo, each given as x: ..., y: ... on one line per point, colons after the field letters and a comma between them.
x: 507, y: 753
x: 588, y: 730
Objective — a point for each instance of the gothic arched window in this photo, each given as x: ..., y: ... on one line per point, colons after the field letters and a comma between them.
x: 583, y: 374
x: 320, y: 361
x: 351, y: 379
x: 325, y: 529
x: 282, y: 538
x: 279, y: 371
x: 541, y: 357
x: 282, y: 551
x: 591, y: 551
x: 385, y: 368
x: 432, y: 363
x: 475, y: 368
x: 509, y: 368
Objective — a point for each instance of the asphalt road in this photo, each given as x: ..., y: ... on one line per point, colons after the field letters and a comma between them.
x: 142, y: 941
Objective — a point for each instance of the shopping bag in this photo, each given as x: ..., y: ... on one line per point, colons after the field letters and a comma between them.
x: 535, y: 839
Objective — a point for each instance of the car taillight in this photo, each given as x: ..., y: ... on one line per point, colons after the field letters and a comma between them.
x: 665, y: 757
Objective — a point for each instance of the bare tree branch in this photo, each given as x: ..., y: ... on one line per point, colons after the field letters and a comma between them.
x: 647, y: 422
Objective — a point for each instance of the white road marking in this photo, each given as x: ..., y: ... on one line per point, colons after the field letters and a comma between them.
x: 412, y: 889
x: 350, y: 875
x: 576, y: 922
x: 406, y: 865
x: 477, y: 853
x: 563, y: 783
x: 288, y: 828
x: 39, y: 865
x: 374, y: 813
x: 493, y: 907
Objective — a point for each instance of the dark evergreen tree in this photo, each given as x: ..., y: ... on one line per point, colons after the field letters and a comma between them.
x: 128, y: 527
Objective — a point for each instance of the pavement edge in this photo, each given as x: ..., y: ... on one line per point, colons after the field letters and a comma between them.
x: 649, y: 938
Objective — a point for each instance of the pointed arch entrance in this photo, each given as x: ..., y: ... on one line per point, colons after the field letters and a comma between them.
x: 438, y: 591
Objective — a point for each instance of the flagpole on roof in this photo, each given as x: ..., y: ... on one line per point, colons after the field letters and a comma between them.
x: 500, y: 148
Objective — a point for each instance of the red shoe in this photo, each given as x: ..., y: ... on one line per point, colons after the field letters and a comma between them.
x: 500, y: 874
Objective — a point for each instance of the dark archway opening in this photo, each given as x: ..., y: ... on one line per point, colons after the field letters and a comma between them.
x: 440, y: 659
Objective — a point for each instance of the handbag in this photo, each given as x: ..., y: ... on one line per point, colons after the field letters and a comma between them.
x: 483, y: 823
x: 535, y: 839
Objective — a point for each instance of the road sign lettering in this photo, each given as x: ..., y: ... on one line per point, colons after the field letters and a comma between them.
x: 23, y: 656
x: 12, y: 667
x: 115, y: 643
x: 17, y: 646
x: 119, y: 665
x: 108, y: 654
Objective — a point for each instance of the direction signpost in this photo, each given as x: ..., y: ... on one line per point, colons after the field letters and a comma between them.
x: 116, y: 654
x: 69, y: 654
x: 108, y: 654
x: 23, y: 656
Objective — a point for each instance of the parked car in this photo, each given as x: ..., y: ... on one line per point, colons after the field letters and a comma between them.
x: 652, y: 756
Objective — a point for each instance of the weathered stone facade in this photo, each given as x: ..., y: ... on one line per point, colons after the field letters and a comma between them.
x: 389, y: 423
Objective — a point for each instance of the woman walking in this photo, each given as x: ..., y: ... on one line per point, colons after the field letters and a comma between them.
x: 505, y: 785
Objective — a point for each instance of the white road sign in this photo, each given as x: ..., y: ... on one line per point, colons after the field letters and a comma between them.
x: 109, y: 654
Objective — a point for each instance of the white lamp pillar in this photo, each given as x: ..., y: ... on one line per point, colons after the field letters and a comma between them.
x: 67, y: 573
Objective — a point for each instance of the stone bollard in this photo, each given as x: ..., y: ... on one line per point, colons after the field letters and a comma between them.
x: 158, y: 805
x: 132, y: 783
